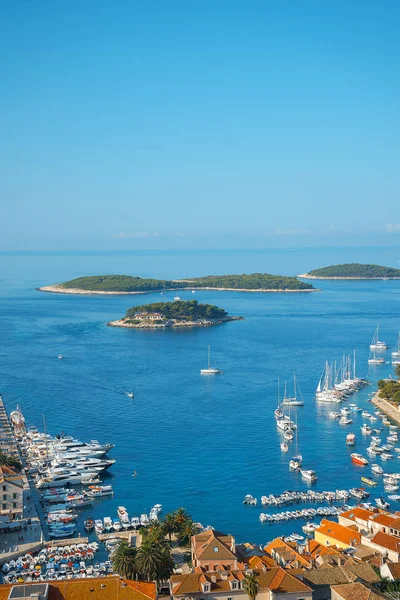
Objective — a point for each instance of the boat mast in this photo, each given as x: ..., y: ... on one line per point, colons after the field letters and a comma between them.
x: 354, y: 364
x: 45, y: 437
x: 209, y: 356
x: 279, y: 393
x: 294, y: 386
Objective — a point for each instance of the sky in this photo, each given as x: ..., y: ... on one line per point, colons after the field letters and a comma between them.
x: 199, y: 123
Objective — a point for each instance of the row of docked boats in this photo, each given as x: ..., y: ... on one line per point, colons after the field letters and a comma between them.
x: 123, y: 521
x: 57, y: 563
x: 338, y: 382
x: 305, y: 513
x: 297, y: 497
x: 63, y: 461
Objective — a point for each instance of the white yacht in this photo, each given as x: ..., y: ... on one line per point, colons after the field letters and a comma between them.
x: 376, y: 344
x: 309, y: 475
x: 375, y: 360
x: 396, y: 353
x: 294, y: 400
x: 210, y: 370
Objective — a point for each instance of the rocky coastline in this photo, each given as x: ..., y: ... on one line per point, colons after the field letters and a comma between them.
x: 170, y: 323
x: 58, y: 289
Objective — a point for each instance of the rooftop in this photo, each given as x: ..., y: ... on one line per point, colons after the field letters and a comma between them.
x: 355, y: 591
x: 345, y: 535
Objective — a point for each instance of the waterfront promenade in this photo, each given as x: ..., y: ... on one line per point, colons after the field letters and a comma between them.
x: 25, y: 534
x: 385, y: 406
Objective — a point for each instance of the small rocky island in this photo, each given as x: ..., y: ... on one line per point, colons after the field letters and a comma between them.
x: 179, y: 313
x: 353, y: 271
x: 127, y: 284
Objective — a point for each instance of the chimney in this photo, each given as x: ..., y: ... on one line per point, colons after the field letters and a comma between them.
x: 214, y: 578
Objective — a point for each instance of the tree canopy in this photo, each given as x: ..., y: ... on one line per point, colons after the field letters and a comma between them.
x: 389, y: 389
x: 10, y: 461
x: 179, y: 309
x: 355, y: 270
x: 128, y: 283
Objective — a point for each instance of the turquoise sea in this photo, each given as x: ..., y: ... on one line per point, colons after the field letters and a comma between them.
x: 198, y: 442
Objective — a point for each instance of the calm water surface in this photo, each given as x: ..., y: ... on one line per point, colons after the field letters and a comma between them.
x: 198, y: 442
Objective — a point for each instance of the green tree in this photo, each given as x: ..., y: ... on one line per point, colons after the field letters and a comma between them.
x: 186, y: 531
x: 170, y: 525
x: 155, y: 532
x: 181, y: 516
x: 124, y: 560
x: 10, y: 461
x: 154, y: 560
x: 251, y: 586
x: 397, y: 371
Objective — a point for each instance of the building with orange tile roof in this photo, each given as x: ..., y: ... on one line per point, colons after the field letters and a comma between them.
x: 211, y: 548
x: 384, y: 543
x: 385, y: 522
x: 354, y: 591
x: 286, y: 554
x: 357, y: 516
x: 332, y: 534
x: 274, y: 583
x: 390, y: 571
x: 102, y: 588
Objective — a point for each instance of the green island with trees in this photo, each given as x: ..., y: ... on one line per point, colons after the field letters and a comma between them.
x: 179, y: 313
x: 353, y: 271
x: 127, y: 284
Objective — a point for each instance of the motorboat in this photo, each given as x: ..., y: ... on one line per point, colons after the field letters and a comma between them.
x: 386, y: 456
x: 377, y: 469
x: 288, y: 434
x: 284, y: 447
x: 116, y: 525
x: 369, y: 481
x: 309, y: 475
x: 122, y: 512
x: 345, y: 421
x: 333, y: 414
x: 210, y: 370
x: 88, y: 524
x: 358, y: 459
x: 144, y: 520
x: 350, y: 439
x: 98, y: 526
x: 309, y: 528
x: 108, y: 524
x: 135, y: 522
x: 381, y: 503
x: 296, y: 462
x: 366, y: 429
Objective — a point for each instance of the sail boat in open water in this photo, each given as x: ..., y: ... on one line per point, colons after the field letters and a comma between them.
x: 294, y: 400
x: 210, y: 370
x: 278, y: 411
x: 375, y: 344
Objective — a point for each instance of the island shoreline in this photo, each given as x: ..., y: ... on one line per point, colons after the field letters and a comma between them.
x: 125, y: 323
x: 307, y: 276
x: 57, y: 289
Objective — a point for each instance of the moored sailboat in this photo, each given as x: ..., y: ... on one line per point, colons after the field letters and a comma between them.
x: 210, y: 370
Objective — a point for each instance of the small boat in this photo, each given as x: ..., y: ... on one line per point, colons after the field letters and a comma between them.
x: 345, y: 421
x: 333, y: 414
x: 366, y: 429
x: 350, y: 439
x: 359, y: 493
x: 381, y: 503
x: 368, y: 481
x: 391, y: 487
x: 60, y: 356
x: 295, y: 463
x: 177, y: 298
x: 386, y: 456
x: 358, y: 459
x: 309, y: 528
x: 98, y: 526
x: 309, y: 475
x: 135, y: 522
x: 107, y: 523
x: 130, y: 395
x: 135, y: 474
x: 396, y: 353
x: 88, y: 524
x: 284, y: 447
x: 377, y: 469
x: 210, y: 370
x: 376, y: 344
x: 122, y: 512
x: 116, y: 525
x: 288, y: 435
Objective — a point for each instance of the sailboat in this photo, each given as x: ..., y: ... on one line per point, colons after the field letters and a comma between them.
x: 288, y: 433
x: 296, y: 462
x: 294, y: 401
x: 375, y: 360
x: 278, y: 411
x: 210, y: 370
x: 396, y: 353
x: 375, y: 343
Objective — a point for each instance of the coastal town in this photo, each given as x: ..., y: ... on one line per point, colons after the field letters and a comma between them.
x: 353, y: 549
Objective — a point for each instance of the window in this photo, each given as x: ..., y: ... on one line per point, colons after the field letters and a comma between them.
x: 234, y: 585
x: 4, y: 506
x: 230, y: 599
x: 14, y: 505
x: 14, y: 496
x: 215, y: 549
x: 4, y: 496
x: 4, y: 488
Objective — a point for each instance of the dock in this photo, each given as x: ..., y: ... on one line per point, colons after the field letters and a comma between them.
x: 133, y: 537
x: 391, y: 411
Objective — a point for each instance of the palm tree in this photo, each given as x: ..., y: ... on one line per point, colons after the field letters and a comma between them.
x: 170, y: 525
x: 187, y: 531
x: 181, y: 516
x: 155, y: 531
x: 124, y: 560
x: 251, y: 586
x: 154, y: 560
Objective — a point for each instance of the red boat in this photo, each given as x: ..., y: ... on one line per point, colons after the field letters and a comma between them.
x: 358, y: 459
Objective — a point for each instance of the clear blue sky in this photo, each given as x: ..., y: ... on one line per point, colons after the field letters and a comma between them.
x: 199, y: 122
